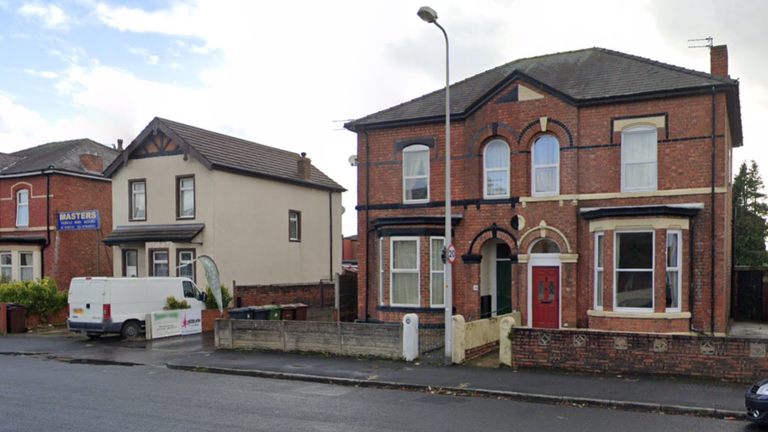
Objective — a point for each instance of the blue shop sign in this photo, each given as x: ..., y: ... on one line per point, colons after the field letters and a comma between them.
x: 79, y: 220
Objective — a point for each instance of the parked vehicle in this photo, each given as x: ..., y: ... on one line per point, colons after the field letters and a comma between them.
x: 756, y: 400
x: 100, y: 305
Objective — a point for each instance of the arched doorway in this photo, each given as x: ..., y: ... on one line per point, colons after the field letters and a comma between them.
x: 544, y: 284
x: 495, y: 279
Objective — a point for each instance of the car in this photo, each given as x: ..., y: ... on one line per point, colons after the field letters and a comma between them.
x: 756, y: 400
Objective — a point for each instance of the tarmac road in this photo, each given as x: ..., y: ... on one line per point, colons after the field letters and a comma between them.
x: 44, y: 394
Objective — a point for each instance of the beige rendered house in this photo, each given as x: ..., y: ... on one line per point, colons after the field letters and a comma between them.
x: 265, y: 215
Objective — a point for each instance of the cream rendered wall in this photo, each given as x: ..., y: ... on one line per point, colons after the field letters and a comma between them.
x: 251, y: 231
x: 160, y: 176
x: 246, y: 222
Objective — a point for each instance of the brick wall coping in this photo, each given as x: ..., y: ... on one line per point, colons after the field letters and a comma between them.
x: 639, y: 333
x: 640, y: 315
x: 285, y: 285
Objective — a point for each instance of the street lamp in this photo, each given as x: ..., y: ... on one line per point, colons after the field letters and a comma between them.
x: 430, y: 16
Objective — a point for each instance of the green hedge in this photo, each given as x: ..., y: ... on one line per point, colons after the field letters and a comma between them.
x: 41, y: 297
x: 210, y: 302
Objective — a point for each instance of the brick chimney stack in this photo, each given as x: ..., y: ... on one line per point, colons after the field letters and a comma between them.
x: 92, y: 163
x: 305, y: 167
x: 718, y: 58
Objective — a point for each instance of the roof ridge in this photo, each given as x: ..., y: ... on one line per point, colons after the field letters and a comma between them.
x: 668, y: 66
x: 226, y: 136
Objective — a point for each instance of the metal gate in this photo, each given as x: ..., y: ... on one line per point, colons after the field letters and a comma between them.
x: 431, y: 343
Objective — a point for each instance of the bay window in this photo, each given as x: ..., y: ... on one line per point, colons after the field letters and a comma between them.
x: 633, y: 274
x: 404, y: 272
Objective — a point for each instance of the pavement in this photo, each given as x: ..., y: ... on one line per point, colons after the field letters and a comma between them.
x: 197, y: 353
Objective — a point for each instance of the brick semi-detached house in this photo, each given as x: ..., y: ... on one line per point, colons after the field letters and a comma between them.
x: 590, y: 189
x: 36, y: 185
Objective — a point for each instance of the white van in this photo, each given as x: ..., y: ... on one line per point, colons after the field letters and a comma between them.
x: 99, y: 305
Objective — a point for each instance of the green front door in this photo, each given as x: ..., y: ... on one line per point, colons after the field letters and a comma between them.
x: 503, y: 280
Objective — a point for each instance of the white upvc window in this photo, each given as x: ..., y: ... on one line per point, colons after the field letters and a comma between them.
x: 381, y: 271
x: 160, y: 263
x: 26, y: 266
x: 186, y: 187
x: 138, y: 200
x: 496, y: 170
x: 599, y: 267
x: 546, y: 167
x: 186, y: 263
x: 638, y: 159
x: 294, y: 225
x: 436, y: 272
x: 404, y: 272
x: 674, y: 270
x: 22, y: 208
x: 416, y: 174
x: 131, y: 259
x: 6, y: 265
x: 633, y: 271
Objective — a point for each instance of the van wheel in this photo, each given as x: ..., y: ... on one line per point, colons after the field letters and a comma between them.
x: 130, y: 330
x: 93, y: 336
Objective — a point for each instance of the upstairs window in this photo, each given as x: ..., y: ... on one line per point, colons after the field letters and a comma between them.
x: 138, y: 204
x: 546, y: 166
x: 22, y: 208
x: 496, y: 170
x: 185, y: 197
x: 416, y: 174
x: 294, y: 225
x: 638, y: 159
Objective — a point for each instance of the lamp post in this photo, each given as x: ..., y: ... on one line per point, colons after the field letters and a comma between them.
x: 429, y: 15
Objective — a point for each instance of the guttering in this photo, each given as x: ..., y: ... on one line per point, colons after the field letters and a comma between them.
x: 56, y: 171
x: 439, y: 118
x: 712, y: 219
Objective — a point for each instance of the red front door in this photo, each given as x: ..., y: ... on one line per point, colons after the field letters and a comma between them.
x: 546, y: 302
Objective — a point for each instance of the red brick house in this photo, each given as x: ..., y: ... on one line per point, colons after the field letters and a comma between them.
x: 36, y: 185
x: 590, y: 189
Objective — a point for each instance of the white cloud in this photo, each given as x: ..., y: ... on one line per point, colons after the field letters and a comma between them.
x: 144, y: 53
x: 43, y: 74
x: 51, y: 15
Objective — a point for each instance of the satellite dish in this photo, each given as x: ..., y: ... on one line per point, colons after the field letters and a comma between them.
x: 343, y: 210
x: 353, y: 160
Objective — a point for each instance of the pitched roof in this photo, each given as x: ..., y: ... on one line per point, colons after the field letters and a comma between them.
x: 62, y: 155
x: 590, y: 75
x: 219, y: 151
x: 6, y: 159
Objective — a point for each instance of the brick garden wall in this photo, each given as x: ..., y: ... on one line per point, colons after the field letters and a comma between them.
x: 731, y: 359
x: 309, y: 294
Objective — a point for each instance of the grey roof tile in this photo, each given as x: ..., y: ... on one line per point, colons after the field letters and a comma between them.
x: 63, y: 155
x: 228, y: 152
x: 581, y: 76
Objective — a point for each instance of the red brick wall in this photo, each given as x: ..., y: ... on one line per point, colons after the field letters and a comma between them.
x: 590, y: 163
x: 683, y: 356
x: 70, y: 253
x: 309, y: 294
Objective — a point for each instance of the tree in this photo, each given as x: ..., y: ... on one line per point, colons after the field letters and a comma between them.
x: 750, y: 212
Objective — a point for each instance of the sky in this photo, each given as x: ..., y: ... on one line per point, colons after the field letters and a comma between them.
x: 289, y: 74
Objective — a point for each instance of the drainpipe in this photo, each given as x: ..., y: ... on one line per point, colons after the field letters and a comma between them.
x: 712, y: 238
x: 47, y: 220
x: 367, y: 229
x: 330, y: 231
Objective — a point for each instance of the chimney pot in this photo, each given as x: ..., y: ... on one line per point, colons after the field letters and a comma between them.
x: 119, y: 144
x: 718, y: 60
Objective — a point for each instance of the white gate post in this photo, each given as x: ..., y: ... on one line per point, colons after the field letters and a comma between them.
x: 505, y: 345
x: 411, y: 337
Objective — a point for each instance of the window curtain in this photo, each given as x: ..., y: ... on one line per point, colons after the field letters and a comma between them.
x: 416, y: 172
x: 639, y: 159
x: 497, y: 169
x: 405, y: 276
x: 546, y: 154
